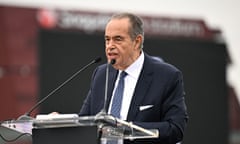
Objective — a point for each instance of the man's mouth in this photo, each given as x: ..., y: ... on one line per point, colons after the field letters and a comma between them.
x: 112, y: 55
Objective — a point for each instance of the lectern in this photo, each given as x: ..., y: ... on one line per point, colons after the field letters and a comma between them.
x: 75, y: 130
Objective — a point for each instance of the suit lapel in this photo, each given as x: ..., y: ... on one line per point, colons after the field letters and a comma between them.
x: 141, y: 89
x: 112, y: 77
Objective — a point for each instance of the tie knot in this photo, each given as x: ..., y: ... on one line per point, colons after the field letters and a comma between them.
x: 123, y: 74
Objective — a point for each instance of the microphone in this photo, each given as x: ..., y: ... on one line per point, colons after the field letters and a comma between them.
x: 112, y: 62
x: 27, y: 116
x: 102, y: 116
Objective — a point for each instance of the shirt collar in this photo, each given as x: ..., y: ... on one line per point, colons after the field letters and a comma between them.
x: 135, y: 68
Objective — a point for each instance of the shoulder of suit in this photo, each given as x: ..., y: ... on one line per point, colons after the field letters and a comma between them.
x: 159, y: 63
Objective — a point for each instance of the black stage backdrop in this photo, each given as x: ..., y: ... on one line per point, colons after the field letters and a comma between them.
x: 202, y: 62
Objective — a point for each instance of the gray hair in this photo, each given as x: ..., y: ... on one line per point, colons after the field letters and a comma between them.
x: 136, y: 25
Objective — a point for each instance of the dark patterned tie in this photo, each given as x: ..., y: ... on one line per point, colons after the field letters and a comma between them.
x: 117, y: 102
x: 117, y: 98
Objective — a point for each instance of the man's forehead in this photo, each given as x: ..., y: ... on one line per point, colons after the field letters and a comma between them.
x: 114, y: 34
x: 118, y: 23
x: 116, y: 28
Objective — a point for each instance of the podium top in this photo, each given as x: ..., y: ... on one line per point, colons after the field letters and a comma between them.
x: 109, y: 126
x: 63, y: 120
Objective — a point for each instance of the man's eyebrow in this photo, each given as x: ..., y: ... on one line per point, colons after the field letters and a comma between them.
x: 116, y: 36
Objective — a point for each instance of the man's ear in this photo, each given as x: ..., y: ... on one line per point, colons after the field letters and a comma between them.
x: 138, y: 41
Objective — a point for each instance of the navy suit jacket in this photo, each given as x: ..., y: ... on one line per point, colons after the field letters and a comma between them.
x: 160, y: 86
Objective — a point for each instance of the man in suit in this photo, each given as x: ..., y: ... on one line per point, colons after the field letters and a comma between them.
x: 153, y: 95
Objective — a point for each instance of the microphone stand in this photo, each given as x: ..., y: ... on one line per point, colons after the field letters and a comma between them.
x: 102, y: 116
x: 27, y: 116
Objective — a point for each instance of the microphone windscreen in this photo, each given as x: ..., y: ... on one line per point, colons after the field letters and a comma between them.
x: 97, y: 60
x: 113, y: 61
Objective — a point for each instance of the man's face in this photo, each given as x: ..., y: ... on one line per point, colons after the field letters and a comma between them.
x: 119, y: 45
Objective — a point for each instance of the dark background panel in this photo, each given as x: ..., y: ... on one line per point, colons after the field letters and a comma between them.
x: 203, y: 64
x: 61, y: 55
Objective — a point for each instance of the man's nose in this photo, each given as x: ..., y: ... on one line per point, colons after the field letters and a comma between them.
x: 111, y: 42
x: 111, y: 45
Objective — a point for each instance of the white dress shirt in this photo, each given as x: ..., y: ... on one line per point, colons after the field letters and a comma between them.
x: 131, y: 79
